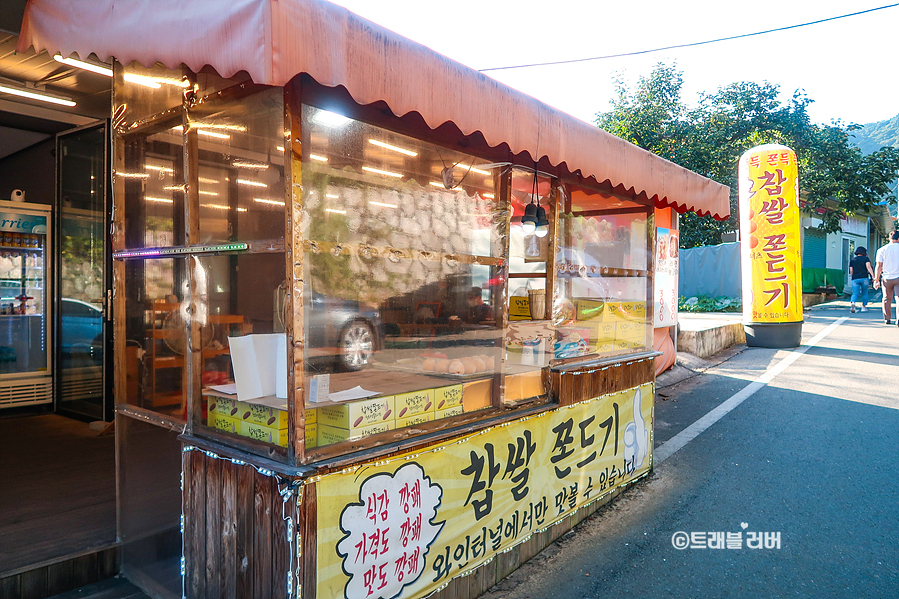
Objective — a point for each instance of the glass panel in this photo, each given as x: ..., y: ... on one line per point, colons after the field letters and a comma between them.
x: 142, y: 94
x: 530, y: 337
x: 600, y: 301
x: 149, y: 501
x: 404, y: 247
x: 238, y: 295
x: 156, y: 334
x: 154, y: 195
x: 241, y: 167
x: 82, y: 255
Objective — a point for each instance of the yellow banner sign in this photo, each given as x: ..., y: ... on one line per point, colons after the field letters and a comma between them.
x: 403, y: 527
x: 770, y: 235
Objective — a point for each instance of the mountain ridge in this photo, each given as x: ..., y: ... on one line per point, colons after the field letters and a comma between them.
x: 873, y: 136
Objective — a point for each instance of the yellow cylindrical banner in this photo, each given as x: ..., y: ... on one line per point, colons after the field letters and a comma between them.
x: 770, y: 245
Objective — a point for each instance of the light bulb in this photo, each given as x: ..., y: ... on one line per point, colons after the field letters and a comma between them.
x: 528, y: 227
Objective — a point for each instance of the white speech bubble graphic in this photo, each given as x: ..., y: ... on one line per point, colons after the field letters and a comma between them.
x: 389, y: 533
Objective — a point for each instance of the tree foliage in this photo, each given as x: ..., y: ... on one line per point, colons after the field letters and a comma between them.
x: 835, y: 178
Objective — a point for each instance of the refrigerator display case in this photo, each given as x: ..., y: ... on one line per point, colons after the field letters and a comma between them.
x: 25, y: 373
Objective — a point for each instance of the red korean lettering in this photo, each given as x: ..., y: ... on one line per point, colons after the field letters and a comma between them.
x: 775, y: 243
x: 774, y: 294
x: 773, y: 211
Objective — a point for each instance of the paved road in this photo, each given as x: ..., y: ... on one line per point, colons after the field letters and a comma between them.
x: 810, y: 456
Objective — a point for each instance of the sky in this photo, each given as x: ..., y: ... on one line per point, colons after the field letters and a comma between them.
x: 847, y: 66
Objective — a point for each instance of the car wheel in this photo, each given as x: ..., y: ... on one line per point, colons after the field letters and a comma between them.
x: 357, y: 345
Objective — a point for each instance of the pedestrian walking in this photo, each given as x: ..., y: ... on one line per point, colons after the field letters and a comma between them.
x: 887, y: 274
x: 861, y: 273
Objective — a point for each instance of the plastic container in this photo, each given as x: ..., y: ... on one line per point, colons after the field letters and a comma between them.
x: 537, y: 303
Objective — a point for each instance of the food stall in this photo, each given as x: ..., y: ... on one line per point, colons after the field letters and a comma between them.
x: 399, y: 313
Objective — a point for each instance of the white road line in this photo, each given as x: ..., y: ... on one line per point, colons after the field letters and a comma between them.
x: 667, y: 449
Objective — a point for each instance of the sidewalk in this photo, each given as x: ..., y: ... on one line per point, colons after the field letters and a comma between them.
x: 715, y: 335
x: 709, y: 338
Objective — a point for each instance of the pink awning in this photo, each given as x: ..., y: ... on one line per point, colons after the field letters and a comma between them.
x: 274, y: 40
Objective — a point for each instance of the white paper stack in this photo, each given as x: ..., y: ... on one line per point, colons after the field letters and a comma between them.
x: 260, y: 365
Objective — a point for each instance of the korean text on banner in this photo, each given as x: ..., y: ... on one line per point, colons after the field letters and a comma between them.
x: 406, y: 526
x: 770, y: 234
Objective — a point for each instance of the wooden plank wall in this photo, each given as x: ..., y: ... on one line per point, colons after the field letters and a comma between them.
x: 58, y: 577
x: 572, y: 386
x: 235, y: 538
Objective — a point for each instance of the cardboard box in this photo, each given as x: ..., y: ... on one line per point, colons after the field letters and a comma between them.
x: 632, y: 311
x: 454, y: 411
x: 476, y: 395
x: 311, y: 435
x: 264, y: 415
x: 632, y: 332
x: 223, y: 423
x: 414, y: 403
x: 265, y: 434
x: 591, y: 310
x: 613, y: 313
x: 328, y: 435
x: 414, y: 420
x: 606, y: 332
x: 311, y: 416
x: 624, y: 330
x: 358, y: 414
x: 224, y: 406
x: 519, y: 308
x: 524, y: 385
x: 447, y: 397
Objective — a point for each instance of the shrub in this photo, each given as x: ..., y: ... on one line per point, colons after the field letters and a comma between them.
x: 704, y: 303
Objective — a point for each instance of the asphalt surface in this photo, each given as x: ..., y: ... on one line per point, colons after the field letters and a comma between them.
x: 810, y: 458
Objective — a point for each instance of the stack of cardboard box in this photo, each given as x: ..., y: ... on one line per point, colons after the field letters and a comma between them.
x: 357, y: 419
x: 611, y: 325
x: 264, y: 419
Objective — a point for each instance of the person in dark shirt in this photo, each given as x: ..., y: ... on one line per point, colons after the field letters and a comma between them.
x: 478, y: 311
x: 859, y: 271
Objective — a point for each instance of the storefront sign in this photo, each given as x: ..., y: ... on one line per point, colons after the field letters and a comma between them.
x: 406, y: 526
x: 665, y: 280
x: 17, y: 222
x: 770, y: 233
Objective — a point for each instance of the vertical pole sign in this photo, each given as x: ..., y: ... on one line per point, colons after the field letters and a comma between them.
x: 770, y: 248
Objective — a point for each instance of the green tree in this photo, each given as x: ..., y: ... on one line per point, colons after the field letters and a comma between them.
x: 710, y: 138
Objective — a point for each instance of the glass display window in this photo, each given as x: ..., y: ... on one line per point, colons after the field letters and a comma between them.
x: 240, y: 172
x: 142, y: 95
x: 244, y: 351
x: 603, y: 275
x: 156, y: 335
x: 530, y: 334
x: 151, y: 176
x: 404, y: 248
x: 422, y: 288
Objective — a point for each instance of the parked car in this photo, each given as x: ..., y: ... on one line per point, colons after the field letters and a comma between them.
x: 342, y: 333
x: 81, y: 330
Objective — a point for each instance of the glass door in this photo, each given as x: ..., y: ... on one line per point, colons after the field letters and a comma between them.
x: 82, y: 283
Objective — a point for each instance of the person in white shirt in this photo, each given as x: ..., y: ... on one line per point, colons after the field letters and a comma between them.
x: 887, y: 274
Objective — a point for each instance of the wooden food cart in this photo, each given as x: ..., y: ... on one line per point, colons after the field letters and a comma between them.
x: 399, y: 313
